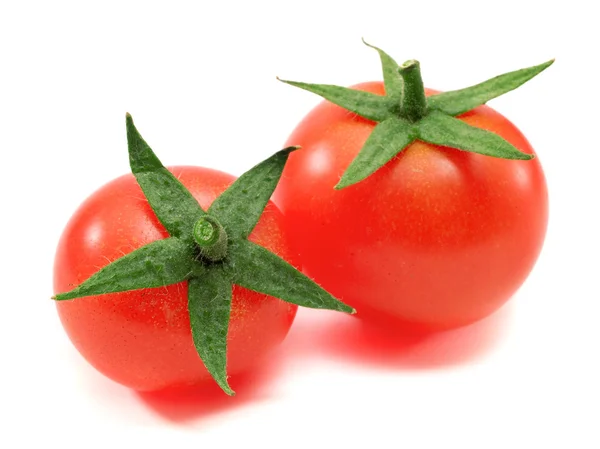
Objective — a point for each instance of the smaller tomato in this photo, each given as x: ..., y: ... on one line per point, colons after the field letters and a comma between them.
x: 142, y: 338
x: 168, y: 294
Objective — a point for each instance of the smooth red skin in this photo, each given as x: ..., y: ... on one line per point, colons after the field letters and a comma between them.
x: 438, y: 237
x: 142, y: 339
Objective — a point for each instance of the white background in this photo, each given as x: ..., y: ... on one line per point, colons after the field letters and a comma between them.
x: 199, y: 79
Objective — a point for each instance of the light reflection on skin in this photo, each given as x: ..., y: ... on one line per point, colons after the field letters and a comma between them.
x: 520, y: 175
x: 444, y: 166
x: 320, y: 161
x: 94, y: 234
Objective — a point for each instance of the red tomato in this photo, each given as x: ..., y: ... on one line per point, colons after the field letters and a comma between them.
x: 437, y: 237
x: 142, y: 339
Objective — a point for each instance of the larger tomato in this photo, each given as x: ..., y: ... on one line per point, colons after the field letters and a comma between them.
x: 437, y: 237
x: 142, y: 338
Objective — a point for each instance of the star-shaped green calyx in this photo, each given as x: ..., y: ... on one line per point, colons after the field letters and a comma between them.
x: 405, y: 114
x: 208, y: 250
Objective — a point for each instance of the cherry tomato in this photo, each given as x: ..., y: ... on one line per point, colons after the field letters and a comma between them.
x: 142, y: 338
x: 437, y: 237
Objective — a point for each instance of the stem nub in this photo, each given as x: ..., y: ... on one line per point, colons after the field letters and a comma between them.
x: 414, y: 102
x: 211, y: 238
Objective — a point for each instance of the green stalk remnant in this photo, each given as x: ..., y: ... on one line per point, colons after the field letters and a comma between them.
x: 414, y: 103
x: 211, y: 238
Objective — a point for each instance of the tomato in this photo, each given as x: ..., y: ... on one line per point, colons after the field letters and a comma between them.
x: 142, y: 338
x: 436, y: 238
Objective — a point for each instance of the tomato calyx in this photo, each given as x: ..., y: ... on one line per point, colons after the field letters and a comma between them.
x: 209, y: 250
x: 404, y: 115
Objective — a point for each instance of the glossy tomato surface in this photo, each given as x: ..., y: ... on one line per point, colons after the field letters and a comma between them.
x: 142, y: 339
x: 437, y: 237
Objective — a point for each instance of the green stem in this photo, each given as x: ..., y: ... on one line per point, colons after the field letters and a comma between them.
x: 211, y: 238
x: 414, y: 103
